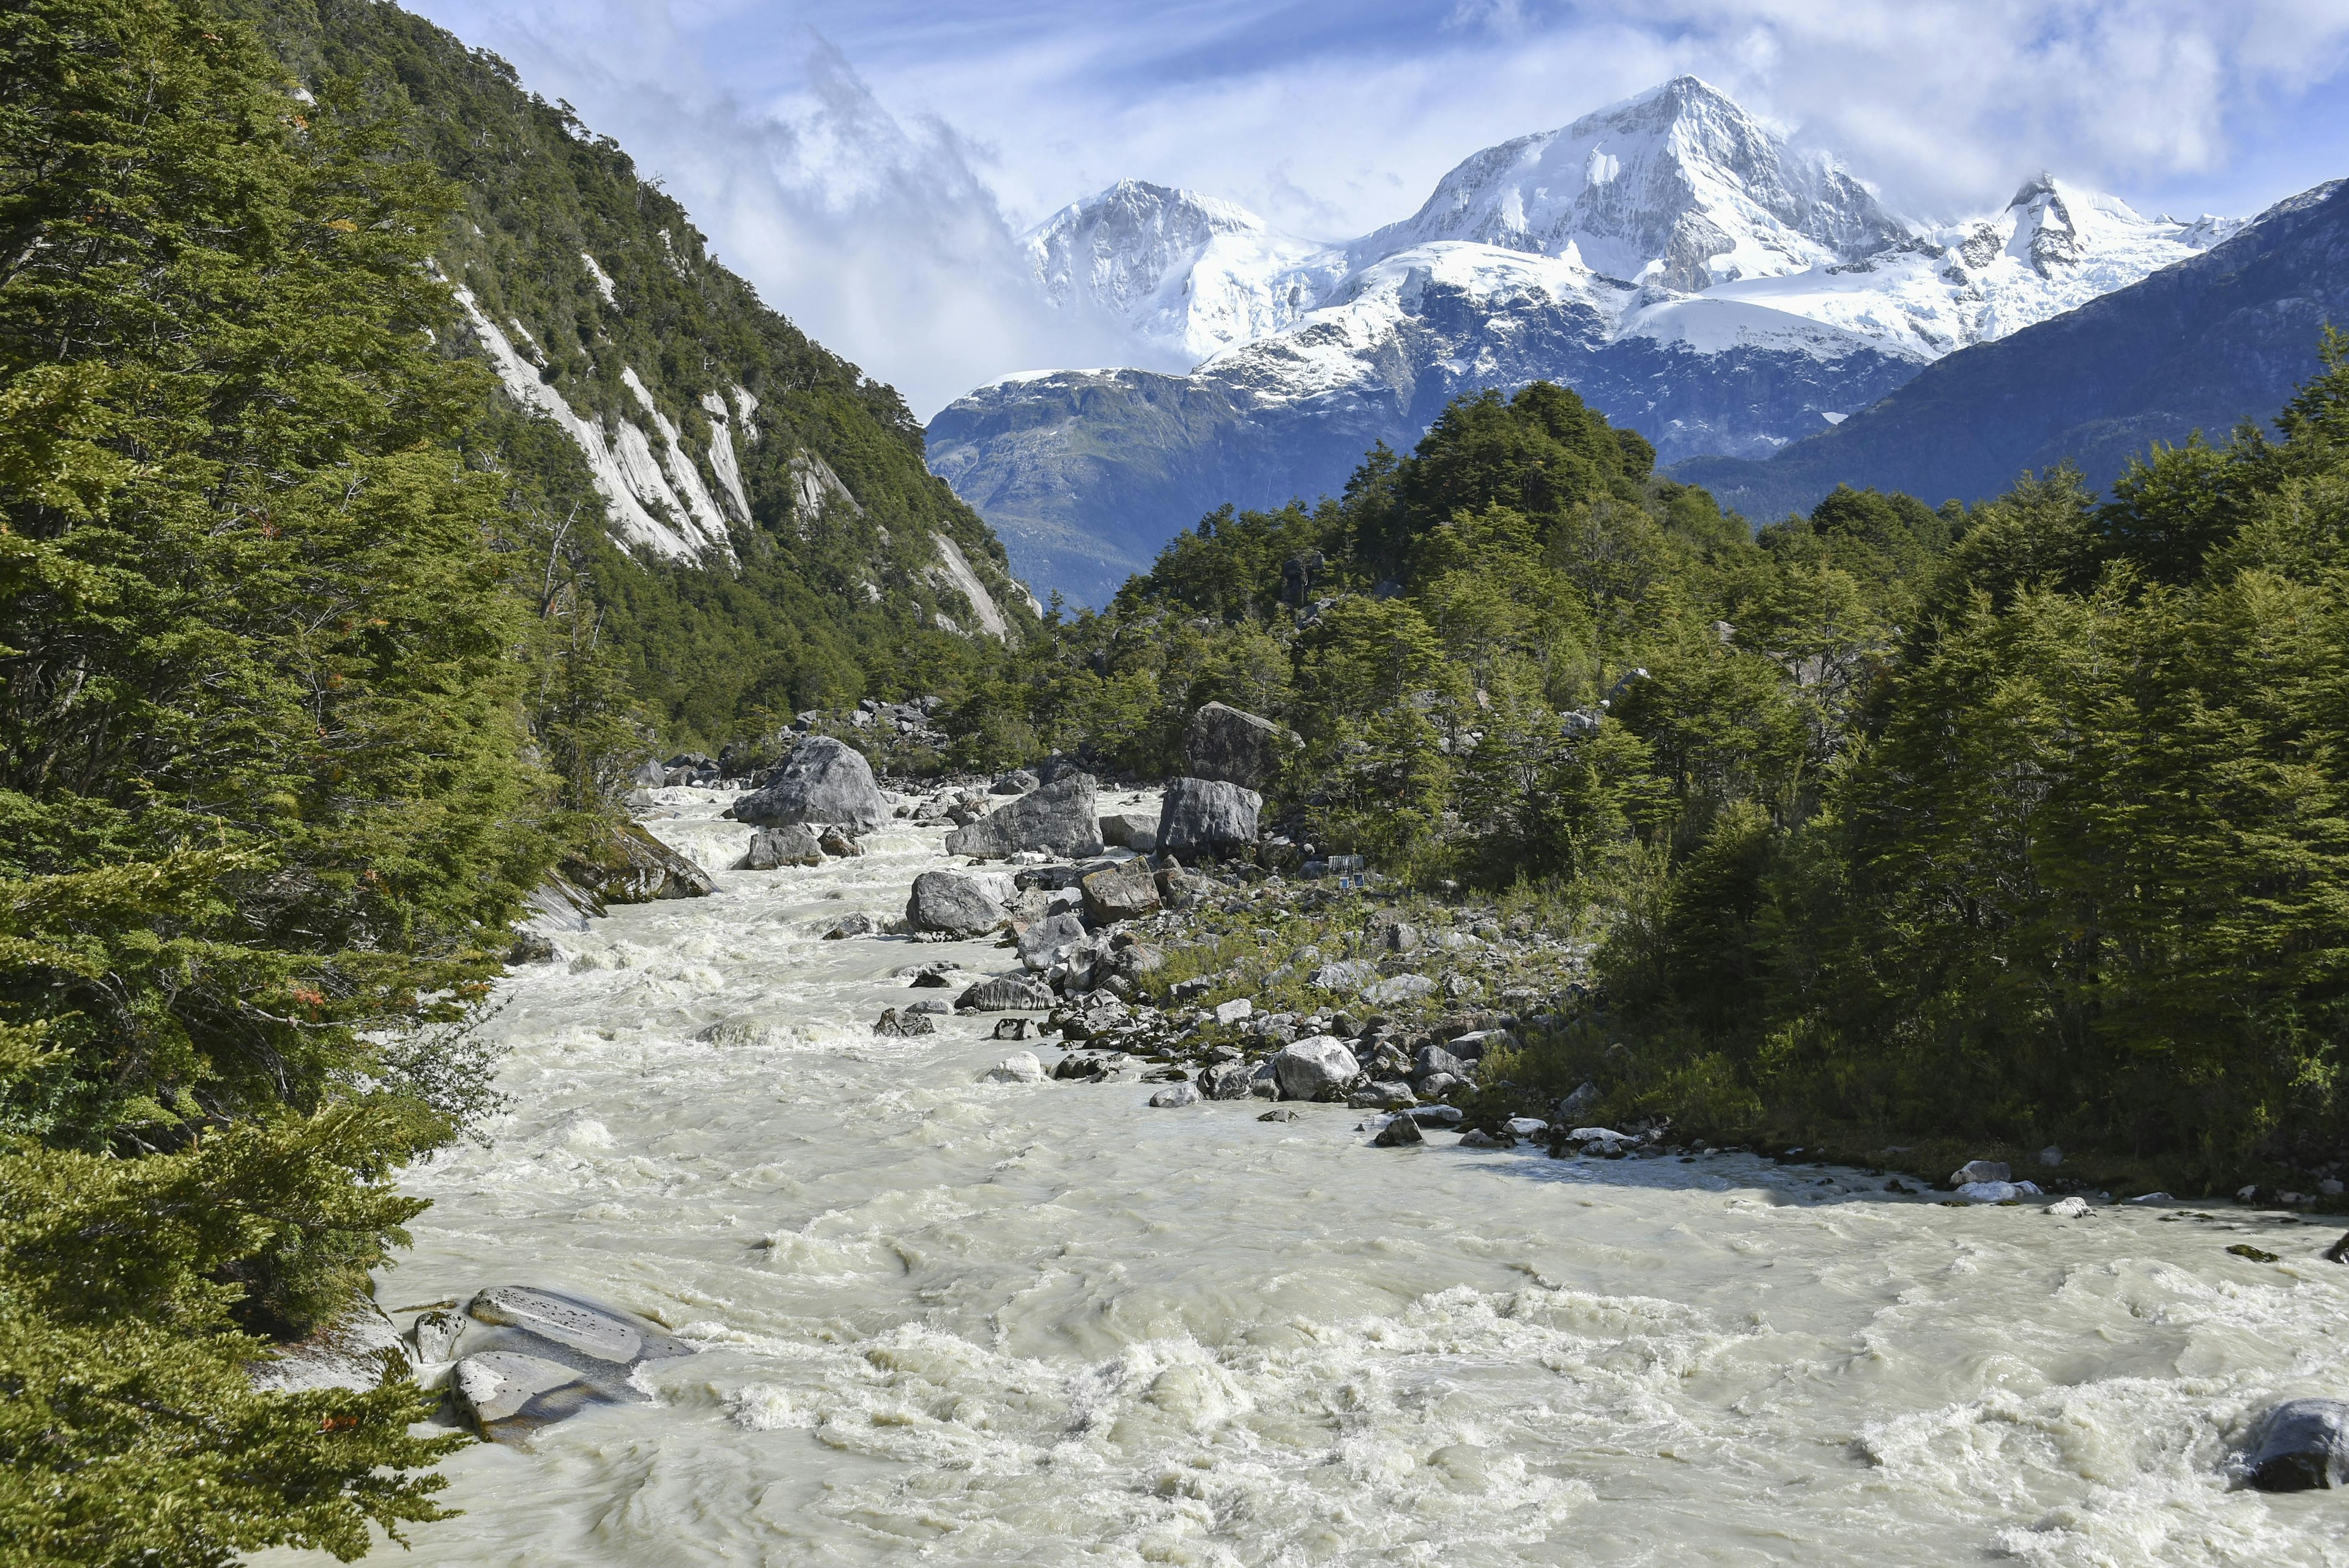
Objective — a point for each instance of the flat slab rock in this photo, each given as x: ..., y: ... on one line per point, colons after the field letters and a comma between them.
x: 527, y: 1356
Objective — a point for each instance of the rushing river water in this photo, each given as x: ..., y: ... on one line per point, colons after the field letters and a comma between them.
x: 1043, y: 1323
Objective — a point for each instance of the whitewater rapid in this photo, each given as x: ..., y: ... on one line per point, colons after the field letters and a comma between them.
x: 1043, y: 1323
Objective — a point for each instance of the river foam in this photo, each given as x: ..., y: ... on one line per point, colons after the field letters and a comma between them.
x: 1043, y: 1323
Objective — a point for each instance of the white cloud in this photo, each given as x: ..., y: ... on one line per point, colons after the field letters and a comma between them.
x: 880, y: 217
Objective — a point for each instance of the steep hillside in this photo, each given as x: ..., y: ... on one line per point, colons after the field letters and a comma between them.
x: 2201, y: 346
x: 753, y: 513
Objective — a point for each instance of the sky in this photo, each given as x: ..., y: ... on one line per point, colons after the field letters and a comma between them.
x: 869, y: 165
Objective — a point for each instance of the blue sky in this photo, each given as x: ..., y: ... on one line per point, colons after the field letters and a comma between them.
x: 866, y: 165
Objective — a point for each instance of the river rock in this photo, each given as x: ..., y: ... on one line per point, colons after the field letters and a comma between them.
x: 1401, y: 1132
x: 895, y: 1026
x: 1435, y: 1085
x: 1980, y: 1170
x: 1130, y: 830
x: 1437, y: 1115
x: 1994, y: 1192
x: 822, y: 782
x: 1049, y: 940
x: 1207, y: 818
x: 1282, y: 1116
x: 835, y: 842
x: 2070, y: 1208
x: 1057, y: 817
x: 626, y: 865
x: 1126, y: 891
x: 1226, y: 1080
x: 1226, y: 744
x: 2302, y: 1444
x: 953, y: 903
x: 857, y: 925
x: 1007, y: 995
x: 533, y: 1354
x: 1311, y: 1068
x: 794, y: 844
x: 1020, y: 1067
x: 436, y: 1333
x: 1175, y: 1095
x: 1011, y: 1028
x: 1019, y: 780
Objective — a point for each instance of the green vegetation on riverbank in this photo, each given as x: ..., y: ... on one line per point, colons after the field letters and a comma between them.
x: 2011, y: 826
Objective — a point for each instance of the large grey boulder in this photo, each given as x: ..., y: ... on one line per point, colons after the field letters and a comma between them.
x: 629, y: 865
x: 1226, y: 1080
x: 348, y: 1353
x: 1126, y: 891
x: 795, y: 844
x: 1057, y: 818
x: 950, y: 902
x: 1207, y: 819
x: 2303, y: 1443
x: 1226, y: 743
x: 822, y: 782
x: 529, y: 1355
x: 1317, y: 1065
x: 1005, y: 995
x: 1133, y: 830
x: 1049, y: 940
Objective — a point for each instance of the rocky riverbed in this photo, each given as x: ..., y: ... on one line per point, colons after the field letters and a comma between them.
x: 940, y: 1308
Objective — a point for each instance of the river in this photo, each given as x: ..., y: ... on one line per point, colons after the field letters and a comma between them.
x: 1043, y: 1323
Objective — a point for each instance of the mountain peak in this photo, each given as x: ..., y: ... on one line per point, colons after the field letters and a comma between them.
x: 1676, y: 186
x: 1190, y: 272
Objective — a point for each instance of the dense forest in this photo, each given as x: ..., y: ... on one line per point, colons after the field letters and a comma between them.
x: 2022, y: 823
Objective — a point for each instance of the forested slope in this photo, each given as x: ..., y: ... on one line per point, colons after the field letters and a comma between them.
x: 781, y: 552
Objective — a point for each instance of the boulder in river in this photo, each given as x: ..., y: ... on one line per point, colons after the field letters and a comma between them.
x: 1226, y: 1080
x: 1230, y: 746
x: 837, y: 842
x: 1207, y: 819
x: 1311, y: 1068
x: 531, y: 1354
x: 1982, y: 1170
x: 1173, y: 1096
x: 1401, y: 1132
x: 953, y: 903
x: 2302, y: 1444
x: 856, y: 925
x: 1126, y: 891
x: 626, y: 865
x: 1057, y: 817
x: 824, y: 782
x: 794, y: 843
x: 895, y: 1026
x: 350, y: 1352
x: 1020, y: 1067
x: 1007, y: 994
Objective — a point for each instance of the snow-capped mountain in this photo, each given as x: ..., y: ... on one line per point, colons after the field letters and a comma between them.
x: 1677, y: 187
x: 2053, y: 249
x: 1671, y: 257
x: 1180, y: 270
